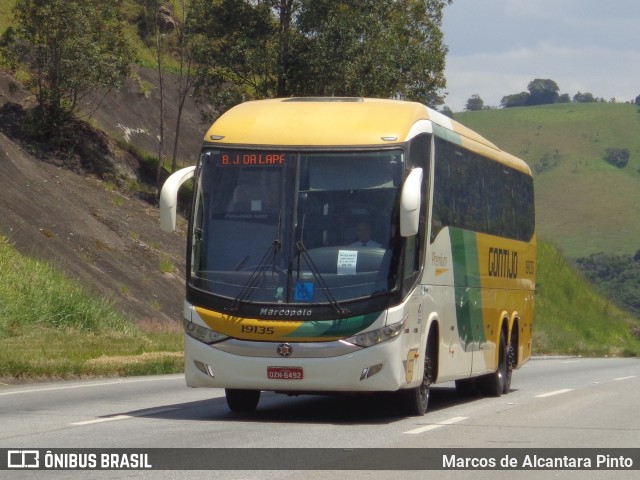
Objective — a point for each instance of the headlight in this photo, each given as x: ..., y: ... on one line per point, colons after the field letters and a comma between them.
x: 203, y: 334
x: 374, y: 337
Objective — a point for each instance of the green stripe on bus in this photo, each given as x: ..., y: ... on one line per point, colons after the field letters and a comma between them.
x: 466, y: 273
x: 344, y: 327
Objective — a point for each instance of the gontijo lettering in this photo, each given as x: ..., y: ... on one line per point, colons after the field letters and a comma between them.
x: 503, y: 263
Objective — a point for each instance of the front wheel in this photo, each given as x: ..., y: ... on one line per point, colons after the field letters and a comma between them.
x: 414, y: 401
x: 243, y: 401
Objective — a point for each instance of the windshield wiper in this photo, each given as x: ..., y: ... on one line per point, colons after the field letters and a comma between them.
x: 269, y: 258
x: 303, y: 252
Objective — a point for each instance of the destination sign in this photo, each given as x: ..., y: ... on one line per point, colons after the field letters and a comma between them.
x: 251, y: 159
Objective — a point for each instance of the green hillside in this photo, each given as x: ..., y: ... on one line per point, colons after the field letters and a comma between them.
x: 584, y: 204
x: 572, y: 318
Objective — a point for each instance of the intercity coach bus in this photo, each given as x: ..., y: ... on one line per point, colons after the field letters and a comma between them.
x: 354, y: 245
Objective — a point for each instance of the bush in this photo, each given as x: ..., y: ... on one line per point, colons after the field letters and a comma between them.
x: 618, y: 276
x: 618, y: 157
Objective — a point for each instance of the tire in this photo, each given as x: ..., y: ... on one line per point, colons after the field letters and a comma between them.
x: 495, y: 384
x: 414, y: 401
x: 242, y: 401
x: 512, y: 361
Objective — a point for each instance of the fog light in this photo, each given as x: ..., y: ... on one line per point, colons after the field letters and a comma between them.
x: 204, y: 368
x: 370, y: 371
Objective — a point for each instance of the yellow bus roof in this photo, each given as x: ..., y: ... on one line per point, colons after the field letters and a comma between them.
x: 339, y: 122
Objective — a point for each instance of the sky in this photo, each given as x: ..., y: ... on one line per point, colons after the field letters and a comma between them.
x: 496, y: 47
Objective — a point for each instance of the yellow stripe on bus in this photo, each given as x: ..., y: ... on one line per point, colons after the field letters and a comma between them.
x: 248, y: 328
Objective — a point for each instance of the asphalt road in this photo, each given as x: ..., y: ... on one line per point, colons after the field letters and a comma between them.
x: 555, y: 403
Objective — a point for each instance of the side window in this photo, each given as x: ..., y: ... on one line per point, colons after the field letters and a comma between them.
x: 479, y: 194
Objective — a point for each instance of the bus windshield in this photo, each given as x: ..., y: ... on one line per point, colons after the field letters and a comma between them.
x: 296, y: 227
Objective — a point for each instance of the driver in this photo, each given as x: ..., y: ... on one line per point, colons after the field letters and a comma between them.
x: 363, y: 235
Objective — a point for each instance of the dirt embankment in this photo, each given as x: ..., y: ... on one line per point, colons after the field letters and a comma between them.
x: 60, y: 211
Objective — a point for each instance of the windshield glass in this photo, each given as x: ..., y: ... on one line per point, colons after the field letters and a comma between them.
x: 289, y: 227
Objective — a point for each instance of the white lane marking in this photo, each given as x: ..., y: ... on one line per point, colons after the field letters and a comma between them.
x: 623, y: 378
x: 427, y: 428
x: 114, y: 418
x: 96, y: 384
x: 555, y: 392
x: 102, y: 420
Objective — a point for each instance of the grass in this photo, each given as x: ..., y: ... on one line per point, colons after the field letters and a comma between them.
x: 50, y: 327
x: 46, y: 353
x: 6, y: 14
x: 572, y: 318
x: 167, y: 265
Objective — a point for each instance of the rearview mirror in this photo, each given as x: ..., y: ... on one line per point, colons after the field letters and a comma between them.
x: 169, y: 197
x: 410, y: 200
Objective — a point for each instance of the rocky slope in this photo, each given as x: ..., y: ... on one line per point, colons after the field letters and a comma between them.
x: 70, y: 211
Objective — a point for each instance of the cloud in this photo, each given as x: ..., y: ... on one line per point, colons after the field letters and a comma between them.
x: 604, y: 73
x: 582, y: 45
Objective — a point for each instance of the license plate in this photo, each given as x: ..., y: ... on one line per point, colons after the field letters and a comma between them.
x: 285, y: 373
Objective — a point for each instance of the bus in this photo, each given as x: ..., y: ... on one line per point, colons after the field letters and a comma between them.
x: 354, y: 245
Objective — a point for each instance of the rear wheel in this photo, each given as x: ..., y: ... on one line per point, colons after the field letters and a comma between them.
x: 244, y: 401
x: 512, y: 359
x: 498, y: 382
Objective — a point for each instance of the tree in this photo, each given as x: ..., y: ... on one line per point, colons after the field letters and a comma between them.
x: 516, y: 100
x: 266, y: 48
x: 583, y: 97
x: 542, y: 92
x: 474, y: 103
x: 235, y: 44
x: 383, y: 48
x: 617, y: 275
x: 69, y: 49
x: 447, y: 111
x: 637, y: 100
x: 153, y: 37
x: 186, y: 75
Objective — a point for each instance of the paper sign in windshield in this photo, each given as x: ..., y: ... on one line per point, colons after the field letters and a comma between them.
x: 347, y: 260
